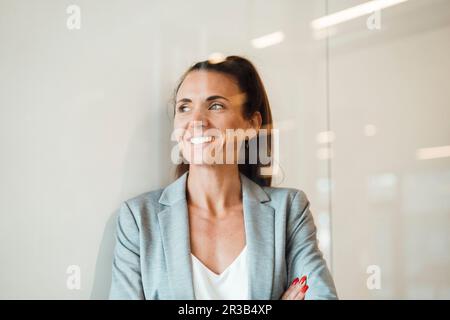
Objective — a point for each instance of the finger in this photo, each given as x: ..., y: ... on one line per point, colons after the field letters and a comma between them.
x: 302, y: 281
x: 296, y: 287
x: 301, y: 293
x: 290, y: 290
x: 291, y: 294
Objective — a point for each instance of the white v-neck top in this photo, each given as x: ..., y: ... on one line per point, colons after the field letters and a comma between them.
x: 231, y: 284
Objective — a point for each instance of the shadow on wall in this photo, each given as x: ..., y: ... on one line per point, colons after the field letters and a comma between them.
x: 103, y: 267
x: 152, y: 132
x: 139, y: 176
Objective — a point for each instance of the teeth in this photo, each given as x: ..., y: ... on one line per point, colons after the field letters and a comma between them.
x: 199, y: 140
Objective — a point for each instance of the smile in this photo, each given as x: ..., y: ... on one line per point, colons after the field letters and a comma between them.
x: 200, y: 140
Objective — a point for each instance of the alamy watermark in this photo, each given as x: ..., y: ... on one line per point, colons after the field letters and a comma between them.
x: 232, y: 146
x: 374, y: 280
x: 74, y: 19
x: 373, y: 22
x: 73, y: 281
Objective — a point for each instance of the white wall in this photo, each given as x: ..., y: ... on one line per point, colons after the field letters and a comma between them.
x: 85, y: 119
x: 86, y: 124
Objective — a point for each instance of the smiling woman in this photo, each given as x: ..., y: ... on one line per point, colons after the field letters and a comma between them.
x: 238, y: 100
x: 219, y: 231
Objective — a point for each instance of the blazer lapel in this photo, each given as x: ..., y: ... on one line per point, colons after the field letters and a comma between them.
x: 174, y: 226
x: 259, y: 232
x: 259, y: 221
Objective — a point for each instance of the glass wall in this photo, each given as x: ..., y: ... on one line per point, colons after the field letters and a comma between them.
x: 389, y: 111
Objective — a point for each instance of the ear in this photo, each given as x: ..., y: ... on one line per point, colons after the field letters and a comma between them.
x: 256, y: 121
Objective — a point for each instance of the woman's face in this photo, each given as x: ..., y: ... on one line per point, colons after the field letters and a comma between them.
x: 207, y: 104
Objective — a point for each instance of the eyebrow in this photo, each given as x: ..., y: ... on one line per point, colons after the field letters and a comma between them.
x: 210, y: 98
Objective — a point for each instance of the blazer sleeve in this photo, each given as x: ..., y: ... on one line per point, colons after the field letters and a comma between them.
x: 126, y: 270
x: 303, y: 255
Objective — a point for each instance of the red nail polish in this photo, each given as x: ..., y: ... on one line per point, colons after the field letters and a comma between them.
x: 294, y: 282
x: 303, y: 290
x: 303, y: 279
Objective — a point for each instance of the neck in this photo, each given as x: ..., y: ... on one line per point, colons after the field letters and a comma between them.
x: 214, y: 188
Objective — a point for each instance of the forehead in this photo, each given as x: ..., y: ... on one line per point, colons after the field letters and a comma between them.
x: 203, y: 83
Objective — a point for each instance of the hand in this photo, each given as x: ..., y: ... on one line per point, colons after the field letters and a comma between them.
x: 297, y: 290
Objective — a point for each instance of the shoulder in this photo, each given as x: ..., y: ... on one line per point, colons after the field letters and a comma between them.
x: 289, y: 195
x: 291, y: 203
x: 142, y: 205
x: 146, y: 198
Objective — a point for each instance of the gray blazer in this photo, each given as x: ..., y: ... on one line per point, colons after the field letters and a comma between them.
x: 152, y: 253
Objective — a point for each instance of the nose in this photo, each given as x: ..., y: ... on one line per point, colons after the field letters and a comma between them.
x: 198, y: 120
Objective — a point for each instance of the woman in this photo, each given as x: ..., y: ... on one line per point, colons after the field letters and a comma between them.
x: 219, y: 231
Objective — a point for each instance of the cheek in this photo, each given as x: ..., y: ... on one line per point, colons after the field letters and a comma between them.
x: 179, y: 132
x: 231, y: 121
x: 177, y: 123
x: 179, y: 126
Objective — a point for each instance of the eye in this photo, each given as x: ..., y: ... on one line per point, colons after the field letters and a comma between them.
x: 182, y: 108
x: 216, y: 106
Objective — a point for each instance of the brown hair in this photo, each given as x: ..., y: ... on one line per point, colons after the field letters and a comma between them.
x: 251, y: 84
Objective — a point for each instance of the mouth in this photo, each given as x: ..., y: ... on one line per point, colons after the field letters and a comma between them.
x: 201, y: 140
